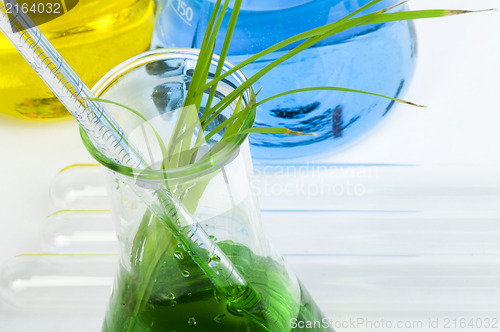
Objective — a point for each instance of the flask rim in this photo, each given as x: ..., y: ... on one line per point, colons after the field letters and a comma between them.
x: 199, y: 168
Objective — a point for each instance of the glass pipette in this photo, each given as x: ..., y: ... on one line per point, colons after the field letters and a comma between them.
x: 110, y: 139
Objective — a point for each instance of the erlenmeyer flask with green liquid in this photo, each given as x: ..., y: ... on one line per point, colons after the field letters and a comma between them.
x: 162, y: 284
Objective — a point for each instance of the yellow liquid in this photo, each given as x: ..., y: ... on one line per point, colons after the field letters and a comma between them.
x: 93, y: 37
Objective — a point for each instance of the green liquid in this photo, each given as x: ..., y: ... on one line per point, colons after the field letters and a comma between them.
x: 183, y: 299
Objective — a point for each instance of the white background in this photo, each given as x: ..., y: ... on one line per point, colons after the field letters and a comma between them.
x: 457, y: 78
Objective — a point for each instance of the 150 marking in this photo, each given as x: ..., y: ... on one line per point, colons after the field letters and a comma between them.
x: 184, y: 11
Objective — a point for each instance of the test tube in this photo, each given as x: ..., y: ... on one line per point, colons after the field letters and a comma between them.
x: 50, y: 280
x: 435, y: 283
x: 330, y: 187
x: 401, y: 210
x: 312, y: 232
x: 79, y: 231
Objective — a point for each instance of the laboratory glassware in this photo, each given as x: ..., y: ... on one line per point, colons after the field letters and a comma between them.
x: 93, y: 36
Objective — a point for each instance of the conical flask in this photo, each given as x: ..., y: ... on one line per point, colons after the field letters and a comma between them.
x: 216, y: 270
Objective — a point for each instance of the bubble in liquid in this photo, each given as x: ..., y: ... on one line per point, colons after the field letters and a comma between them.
x: 185, y: 273
x: 191, y: 321
x: 213, y: 261
x: 219, y: 318
x: 171, y: 299
x: 178, y: 255
x: 216, y: 296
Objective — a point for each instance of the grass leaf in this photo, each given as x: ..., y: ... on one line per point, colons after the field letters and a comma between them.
x: 268, y: 130
x: 225, y: 49
x: 331, y: 88
x: 342, y: 25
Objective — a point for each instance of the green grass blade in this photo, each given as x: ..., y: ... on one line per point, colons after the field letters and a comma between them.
x: 345, y: 23
x: 235, y: 122
x: 342, y: 25
x: 191, y: 121
x: 204, y: 60
x: 359, y: 10
x: 197, y: 89
x: 422, y: 14
x: 248, y: 111
x: 224, y: 124
x: 267, y: 130
x: 304, y: 45
x: 174, y: 144
x: 232, y: 124
x: 262, y: 130
x: 224, y: 51
x: 195, y: 92
x: 331, y: 88
x: 210, y: 25
x: 377, y: 17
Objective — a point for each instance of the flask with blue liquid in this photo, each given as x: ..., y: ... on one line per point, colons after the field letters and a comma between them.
x: 376, y: 58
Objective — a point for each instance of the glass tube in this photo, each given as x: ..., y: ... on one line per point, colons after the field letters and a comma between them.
x: 79, y: 231
x: 313, y: 232
x: 50, y: 280
x: 398, y: 209
x: 329, y: 187
x: 339, y: 283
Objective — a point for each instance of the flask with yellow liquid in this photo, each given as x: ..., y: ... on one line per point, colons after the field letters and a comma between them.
x: 93, y: 36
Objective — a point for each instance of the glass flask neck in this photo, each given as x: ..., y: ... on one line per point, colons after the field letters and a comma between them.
x: 119, y: 85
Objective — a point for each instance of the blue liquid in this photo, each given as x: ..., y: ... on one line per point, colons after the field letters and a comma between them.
x: 377, y: 58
